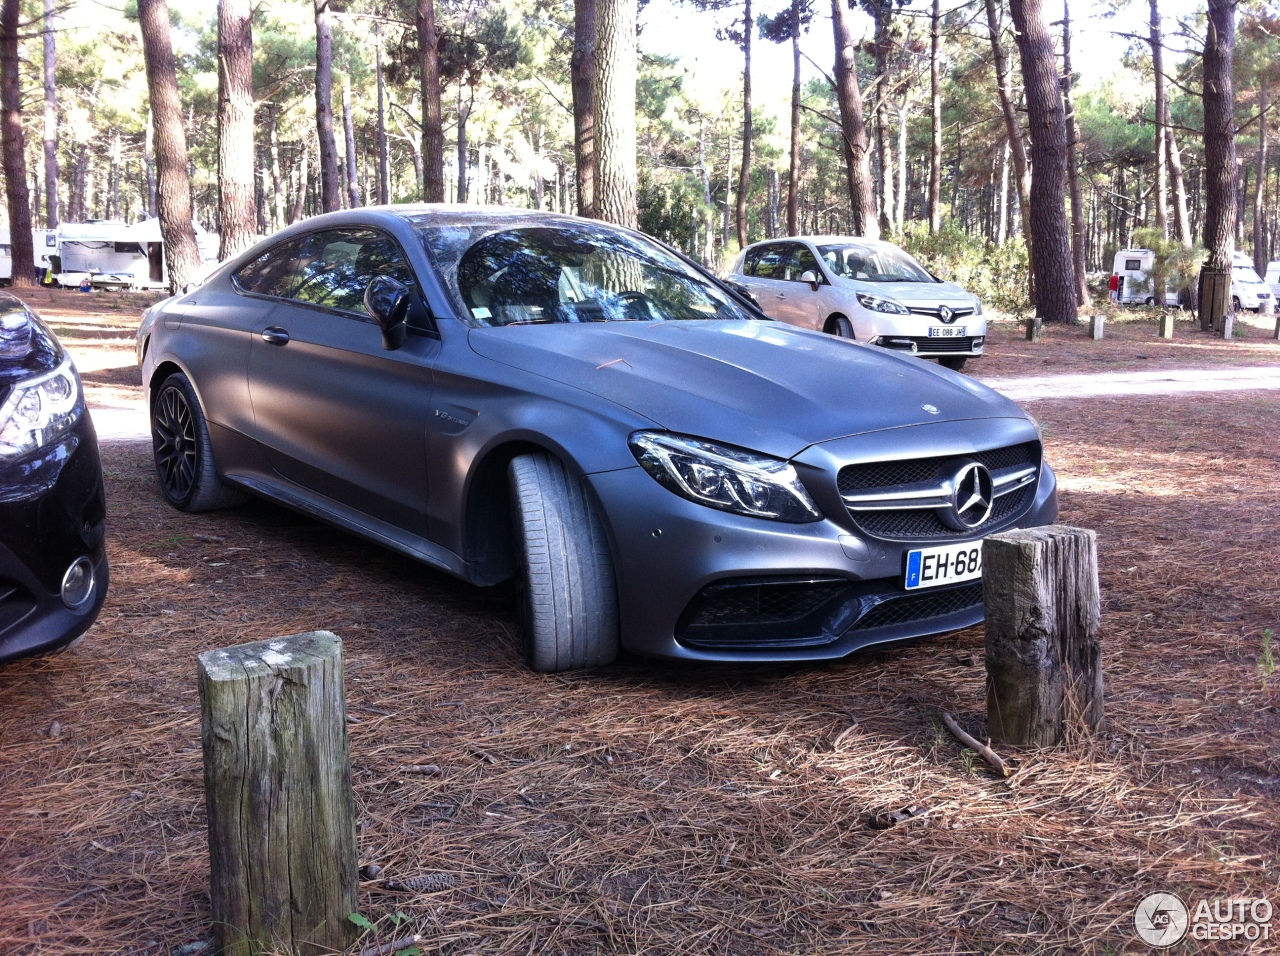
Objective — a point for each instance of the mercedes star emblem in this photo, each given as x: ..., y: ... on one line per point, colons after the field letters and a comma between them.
x: 972, y: 496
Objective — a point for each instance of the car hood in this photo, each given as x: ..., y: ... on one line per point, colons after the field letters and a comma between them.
x: 762, y: 385
x: 915, y: 293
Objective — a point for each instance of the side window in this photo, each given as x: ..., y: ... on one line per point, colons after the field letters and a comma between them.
x: 752, y: 260
x: 800, y: 261
x: 337, y: 266
x: 273, y: 272
x: 772, y: 263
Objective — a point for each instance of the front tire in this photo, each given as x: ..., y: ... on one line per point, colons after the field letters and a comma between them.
x: 183, y: 451
x: 567, y: 596
x: 953, y: 362
x: 840, y: 327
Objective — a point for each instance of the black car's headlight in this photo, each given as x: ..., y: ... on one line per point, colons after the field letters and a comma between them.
x: 38, y: 410
x: 878, y: 304
x: 724, y: 477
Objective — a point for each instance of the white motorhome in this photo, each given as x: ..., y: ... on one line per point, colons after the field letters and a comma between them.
x: 1133, y: 266
x: 44, y: 243
x: 114, y: 254
x: 1248, y: 291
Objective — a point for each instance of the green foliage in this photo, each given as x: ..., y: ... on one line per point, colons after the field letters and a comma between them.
x: 996, y: 274
x: 360, y: 921
x: 1267, y: 660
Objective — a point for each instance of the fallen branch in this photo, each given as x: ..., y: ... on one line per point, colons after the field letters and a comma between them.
x: 982, y: 750
x: 394, y: 946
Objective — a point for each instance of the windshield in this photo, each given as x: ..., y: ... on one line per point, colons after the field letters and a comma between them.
x: 570, y: 272
x: 1246, y: 273
x: 873, y: 263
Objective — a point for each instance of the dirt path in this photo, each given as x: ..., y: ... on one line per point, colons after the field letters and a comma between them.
x: 677, y: 809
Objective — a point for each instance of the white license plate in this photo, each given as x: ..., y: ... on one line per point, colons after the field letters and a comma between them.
x: 947, y: 331
x: 947, y: 564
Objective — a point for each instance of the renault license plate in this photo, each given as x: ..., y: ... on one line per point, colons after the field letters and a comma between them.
x: 947, y: 331
x: 947, y: 564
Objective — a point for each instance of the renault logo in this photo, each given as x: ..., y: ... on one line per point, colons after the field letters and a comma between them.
x: 972, y: 494
x: 944, y: 314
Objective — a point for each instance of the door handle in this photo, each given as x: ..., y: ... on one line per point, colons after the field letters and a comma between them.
x: 274, y: 335
x: 782, y: 295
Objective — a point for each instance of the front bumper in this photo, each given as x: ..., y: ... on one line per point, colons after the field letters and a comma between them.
x: 52, y: 513
x: 674, y: 559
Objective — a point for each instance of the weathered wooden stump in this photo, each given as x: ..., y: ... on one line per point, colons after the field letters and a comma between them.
x: 1214, y: 300
x: 277, y: 776
x: 1166, y: 325
x: 1044, y: 658
x: 1096, y: 323
x: 1035, y: 328
x: 1228, y: 326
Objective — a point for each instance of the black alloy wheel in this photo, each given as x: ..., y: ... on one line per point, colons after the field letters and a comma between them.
x: 174, y: 441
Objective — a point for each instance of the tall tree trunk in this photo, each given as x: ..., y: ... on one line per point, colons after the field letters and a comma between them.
x: 748, y: 128
x: 277, y: 184
x: 148, y: 160
x: 235, y: 127
x: 1260, y: 190
x: 1219, y: 161
x: 349, y: 137
x: 582, y: 81
x: 853, y: 127
x: 900, y: 215
x: 1073, y: 168
x: 384, y: 158
x: 1181, y: 218
x: 793, y: 178
x: 300, y: 205
x: 50, y: 118
x: 1157, y: 67
x: 330, y: 188
x: 935, y: 103
x: 615, y: 112
x: 1012, y: 128
x: 1048, y: 226
x: 173, y: 194
x: 13, y: 150
x: 883, y: 151
x: 464, y: 113
x: 1002, y: 222
x: 432, y: 111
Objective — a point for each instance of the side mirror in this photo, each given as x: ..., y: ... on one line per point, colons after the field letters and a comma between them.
x: 811, y: 277
x: 387, y: 301
x: 743, y: 291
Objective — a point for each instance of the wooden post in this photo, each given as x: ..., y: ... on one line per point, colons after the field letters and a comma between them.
x: 1044, y: 658
x: 1277, y: 333
x: 1166, y: 325
x: 1095, y: 326
x: 277, y: 777
x: 1035, y: 328
x: 1228, y: 326
x: 1215, y: 297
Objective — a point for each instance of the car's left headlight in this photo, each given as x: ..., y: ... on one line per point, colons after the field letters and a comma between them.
x: 724, y: 477
x: 878, y: 303
x: 977, y: 306
x: 38, y: 410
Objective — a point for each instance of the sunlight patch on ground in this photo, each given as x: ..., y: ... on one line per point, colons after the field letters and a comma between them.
x: 1168, y: 382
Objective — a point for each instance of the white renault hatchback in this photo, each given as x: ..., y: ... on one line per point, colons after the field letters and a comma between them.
x: 863, y: 289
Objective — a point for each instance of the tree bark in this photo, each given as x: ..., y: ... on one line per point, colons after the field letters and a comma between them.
x: 235, y: 127
x: 1220, y: 163
x: 300, y: 205
x: 1012, y: 128
x: 349, y: 137
x: 1048, y: 226
x: 50, y: 118
x: 582, y: 80
x: 793, y: 179
x: 432, y: 111
x: 1181, y: 218
x: 935, y: 111
x: 148, y: 160
x: 1260, y: 190
x: 853, y: 127
x: 744, y: 168
x: 615, y: 112
x: 173, y: 192
x: 1162, y: 184
x: 464, y: 113
x: 1073, y: 170
x: 13, y: 150
x: 384, y: 158
x: 884, y: 158
x: 330, y: 188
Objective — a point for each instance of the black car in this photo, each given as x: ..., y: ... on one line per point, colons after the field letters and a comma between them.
x: 505, y: 393
x: 53, y: 563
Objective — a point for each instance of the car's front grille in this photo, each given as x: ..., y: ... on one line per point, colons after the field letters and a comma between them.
x: 746, y: 614
x: 16, y: 602
x: 924, y: 345
x: 903, y: 477
x: 932, y: 312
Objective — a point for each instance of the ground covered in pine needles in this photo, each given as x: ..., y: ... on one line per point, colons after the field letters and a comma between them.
x: 657, y: 808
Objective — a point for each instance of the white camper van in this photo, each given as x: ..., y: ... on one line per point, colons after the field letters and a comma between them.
x: 116, y: 255
x: 44, y: 243
x: 1248, y: 291
x: 1133, y: 266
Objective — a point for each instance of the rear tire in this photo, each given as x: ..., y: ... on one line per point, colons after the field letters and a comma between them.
x: 953, y: 362
x: 567, y: 596
x: 1235, y: 303
x: 183, y: 452
x: 840, y: 327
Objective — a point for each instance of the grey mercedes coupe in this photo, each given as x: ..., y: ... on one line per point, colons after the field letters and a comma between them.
x: 501, y: 393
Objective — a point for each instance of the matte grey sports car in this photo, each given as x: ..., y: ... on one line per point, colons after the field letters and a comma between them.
x: 502, y: 393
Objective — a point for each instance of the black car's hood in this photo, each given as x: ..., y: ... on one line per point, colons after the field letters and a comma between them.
x: 761, y: 385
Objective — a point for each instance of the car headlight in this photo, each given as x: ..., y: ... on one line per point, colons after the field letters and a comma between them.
x: 876, y: 304
x: 724, y: 477
x: 38, y: 410
x: 977, y: 306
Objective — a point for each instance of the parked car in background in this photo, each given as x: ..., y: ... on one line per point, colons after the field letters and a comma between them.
x: 516, y: 394
x: 866, y: 290
x: 1248, y: 291
x: 53, y: 565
